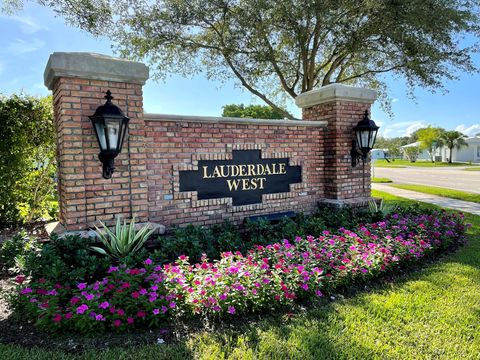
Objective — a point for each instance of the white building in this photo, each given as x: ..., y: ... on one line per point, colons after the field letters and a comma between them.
x: 470, y: 153
x: 423, y: 154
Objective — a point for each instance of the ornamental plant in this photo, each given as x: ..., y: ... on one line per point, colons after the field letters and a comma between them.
x: 123, y: 241
x: 265, y: 278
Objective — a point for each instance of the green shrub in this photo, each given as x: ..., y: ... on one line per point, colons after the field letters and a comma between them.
x: 27, y: 159
x: 14, y: 250
x: 66, y: 260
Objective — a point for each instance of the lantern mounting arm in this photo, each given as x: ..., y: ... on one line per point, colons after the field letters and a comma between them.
x: 356, y: 154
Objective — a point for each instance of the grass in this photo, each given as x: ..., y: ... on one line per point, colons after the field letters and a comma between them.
x: 381, y: 180
x: 440, y: 191
x: 432, y: 313
x: 473, y: 168
x: 419, y: 163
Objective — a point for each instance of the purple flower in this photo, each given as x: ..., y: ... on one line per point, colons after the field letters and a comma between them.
x: 148, y: 262
x: 26, y: 291
x: 82, y: 286
x: 231, y: 310
x: 156, y: 311
x: 104, y: 305
x: 172, y: 305
x: 100, y: 317
x: 82, y: 308
x: 112, y: 269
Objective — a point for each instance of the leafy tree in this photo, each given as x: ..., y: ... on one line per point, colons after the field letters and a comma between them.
x: 453, y: 139
x: 250, y: 111
x: 27, y: 159
x: 430, y: 140
x: 279, y: 49
x: 411, y: 152
x: 392, y: 145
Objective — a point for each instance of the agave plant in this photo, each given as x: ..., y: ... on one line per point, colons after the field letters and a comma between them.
x: 382, y: 208
x: 124, y: 240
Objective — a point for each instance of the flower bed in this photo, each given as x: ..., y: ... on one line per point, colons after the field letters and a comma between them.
x: 265, y: 278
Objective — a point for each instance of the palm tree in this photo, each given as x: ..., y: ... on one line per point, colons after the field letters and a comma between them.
x: 453, y: 139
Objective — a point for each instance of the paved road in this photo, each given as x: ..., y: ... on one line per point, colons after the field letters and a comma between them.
x: 453, y: 178
x: 464, y: 206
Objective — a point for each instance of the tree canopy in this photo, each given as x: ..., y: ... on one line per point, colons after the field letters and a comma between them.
x: 279, y: 49
x: 430, y: 139
x: 250, y: 111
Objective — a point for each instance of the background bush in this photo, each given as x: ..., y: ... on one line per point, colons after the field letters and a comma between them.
x: 27, y: 160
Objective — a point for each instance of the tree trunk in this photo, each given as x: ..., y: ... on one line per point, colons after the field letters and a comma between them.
x: 450, y: 158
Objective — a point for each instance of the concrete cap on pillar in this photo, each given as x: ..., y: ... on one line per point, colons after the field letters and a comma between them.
x: 334, y: 92
x: 85, y: 65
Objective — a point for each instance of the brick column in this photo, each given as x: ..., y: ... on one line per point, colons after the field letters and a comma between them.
x: 343, y: 107
x: 79, y: 82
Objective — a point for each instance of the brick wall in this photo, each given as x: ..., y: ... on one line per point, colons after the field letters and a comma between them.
x: 342, y: 181
x: 85, y: 196
x: 173, y: 146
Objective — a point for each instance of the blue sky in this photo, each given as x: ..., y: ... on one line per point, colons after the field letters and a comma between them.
x: 30, y: 36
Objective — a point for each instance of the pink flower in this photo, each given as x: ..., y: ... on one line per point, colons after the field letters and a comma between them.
x: 68, y: 315
x: 121, y: 312
x: 135, y: 294
x: 57, y: 318
x: 130, y: 320
x: 141, y: 314
x: 148, y: 262
x: 20, y: 279
x: 117, y: 323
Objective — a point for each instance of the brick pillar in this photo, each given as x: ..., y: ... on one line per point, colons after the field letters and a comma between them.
x: 343, y: 107
x: 79, y: 82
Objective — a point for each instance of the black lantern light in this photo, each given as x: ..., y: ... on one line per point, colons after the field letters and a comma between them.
x: 110, y: 126
x: 365, y: 135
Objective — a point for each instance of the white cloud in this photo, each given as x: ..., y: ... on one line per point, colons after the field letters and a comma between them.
x: 27, y: 24
x: 469, y: 130
x: 404, y: 128
x: 394, y: 100
x: 20, y: 46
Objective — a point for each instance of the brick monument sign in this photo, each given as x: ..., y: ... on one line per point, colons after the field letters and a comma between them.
x: 176, y: 170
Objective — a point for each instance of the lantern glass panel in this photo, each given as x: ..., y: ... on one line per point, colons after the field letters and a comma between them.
x: 373, y: 137
x: 113, y: 132
x: 100, y: 129
x: 363, y: 139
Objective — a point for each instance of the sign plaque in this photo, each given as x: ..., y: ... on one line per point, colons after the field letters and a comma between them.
x: 244, y: 178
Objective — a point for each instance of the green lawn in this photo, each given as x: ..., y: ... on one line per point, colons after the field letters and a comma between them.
x: 432, y: 313
x: 381, y: 180
x: 473, y: 168
x: 449, y: 193
x: 419, y: 163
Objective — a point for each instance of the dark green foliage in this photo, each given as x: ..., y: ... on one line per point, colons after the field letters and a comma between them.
x: 14, y: 250
x: 66, y: 260
x: 27, y: 159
